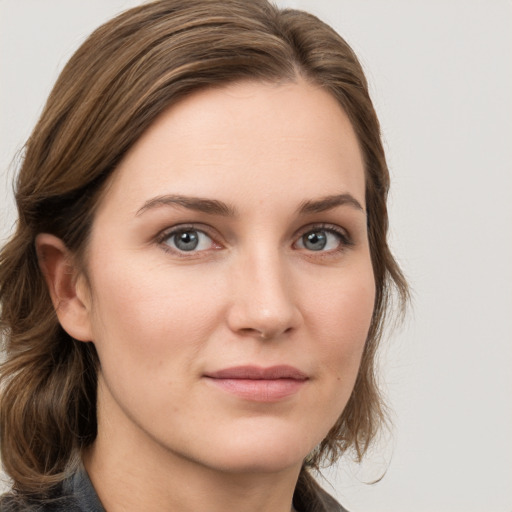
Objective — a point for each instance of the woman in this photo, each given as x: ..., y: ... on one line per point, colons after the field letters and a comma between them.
x: 194, y: 294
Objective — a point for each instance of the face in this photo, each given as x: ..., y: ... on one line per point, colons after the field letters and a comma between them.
x: 230, y: 282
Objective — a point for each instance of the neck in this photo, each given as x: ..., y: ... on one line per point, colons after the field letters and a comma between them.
x: 133, y: 484
x: 131, y: 472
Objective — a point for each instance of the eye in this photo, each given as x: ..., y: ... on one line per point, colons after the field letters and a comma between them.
x: 322, y: 239
x: 187, y: 240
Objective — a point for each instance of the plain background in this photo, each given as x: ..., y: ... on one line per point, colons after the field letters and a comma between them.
x: 441, y: 79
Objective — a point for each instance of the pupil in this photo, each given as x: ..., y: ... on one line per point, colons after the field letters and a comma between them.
x: 315, y: 241
x: 187, y: 241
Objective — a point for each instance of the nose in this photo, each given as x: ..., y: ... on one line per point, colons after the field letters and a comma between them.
x: 263, y: 303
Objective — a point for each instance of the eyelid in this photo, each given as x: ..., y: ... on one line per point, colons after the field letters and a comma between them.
x: 179, y: 228
x: 345, y: 237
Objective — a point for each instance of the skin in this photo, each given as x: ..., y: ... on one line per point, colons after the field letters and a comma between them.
x: 253, y: 292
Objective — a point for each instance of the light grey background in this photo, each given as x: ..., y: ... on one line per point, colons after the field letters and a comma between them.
x: 441, y: 78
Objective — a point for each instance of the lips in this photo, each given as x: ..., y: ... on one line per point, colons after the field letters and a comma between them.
x: 258, y: 373
x: 259, y: 384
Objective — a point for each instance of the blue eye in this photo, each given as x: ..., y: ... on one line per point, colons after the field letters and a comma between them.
x: 188, y: 240
x: 321, y: 240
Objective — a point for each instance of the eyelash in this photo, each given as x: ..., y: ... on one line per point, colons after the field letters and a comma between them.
x: 345, y: 241
x: 183, y: 228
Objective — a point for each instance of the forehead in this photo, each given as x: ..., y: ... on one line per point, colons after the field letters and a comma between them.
x: 267, y: 137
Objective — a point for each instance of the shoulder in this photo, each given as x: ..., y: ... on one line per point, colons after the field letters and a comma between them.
x: 75, y: 494
x: 310, y: 497
x: 11, y: 503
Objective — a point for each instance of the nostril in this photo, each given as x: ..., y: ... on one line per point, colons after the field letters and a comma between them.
x: 263, y: 318
x: 264, y: 334
x: 257, y: 333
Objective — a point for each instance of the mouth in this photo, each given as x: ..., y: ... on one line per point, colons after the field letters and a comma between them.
x: 259, y: 384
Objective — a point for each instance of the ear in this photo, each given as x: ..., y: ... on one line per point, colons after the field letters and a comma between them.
x: 67, y: 286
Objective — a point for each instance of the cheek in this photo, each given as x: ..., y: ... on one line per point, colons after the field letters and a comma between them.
x: 148, y: 314
x: 338, y: 318
x: 341, y: 315
x: 345, y: 304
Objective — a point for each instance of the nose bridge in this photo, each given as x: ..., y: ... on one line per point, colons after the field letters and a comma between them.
x: 263, y: 299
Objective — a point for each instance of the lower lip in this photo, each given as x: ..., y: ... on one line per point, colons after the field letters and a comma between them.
x: 260, y: 390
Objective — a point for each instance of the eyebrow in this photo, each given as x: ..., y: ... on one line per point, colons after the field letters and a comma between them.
x: 211, y: 206
x: 329, y: 202
x: 215, y: 207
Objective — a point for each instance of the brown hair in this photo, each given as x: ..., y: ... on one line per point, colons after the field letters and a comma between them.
x: 128, y: 72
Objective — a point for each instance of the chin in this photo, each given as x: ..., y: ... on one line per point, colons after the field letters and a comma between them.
x: 262, y: 452
x: 260, y: 463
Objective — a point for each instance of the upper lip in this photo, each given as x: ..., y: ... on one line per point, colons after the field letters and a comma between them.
x: 258, y: 373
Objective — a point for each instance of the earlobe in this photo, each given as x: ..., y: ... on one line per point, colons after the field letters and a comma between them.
x: 66, y: 286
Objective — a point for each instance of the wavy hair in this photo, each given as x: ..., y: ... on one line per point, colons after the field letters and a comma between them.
x: 118, y: 82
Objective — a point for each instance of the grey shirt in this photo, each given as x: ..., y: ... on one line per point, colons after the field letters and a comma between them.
x: 78, y: 495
